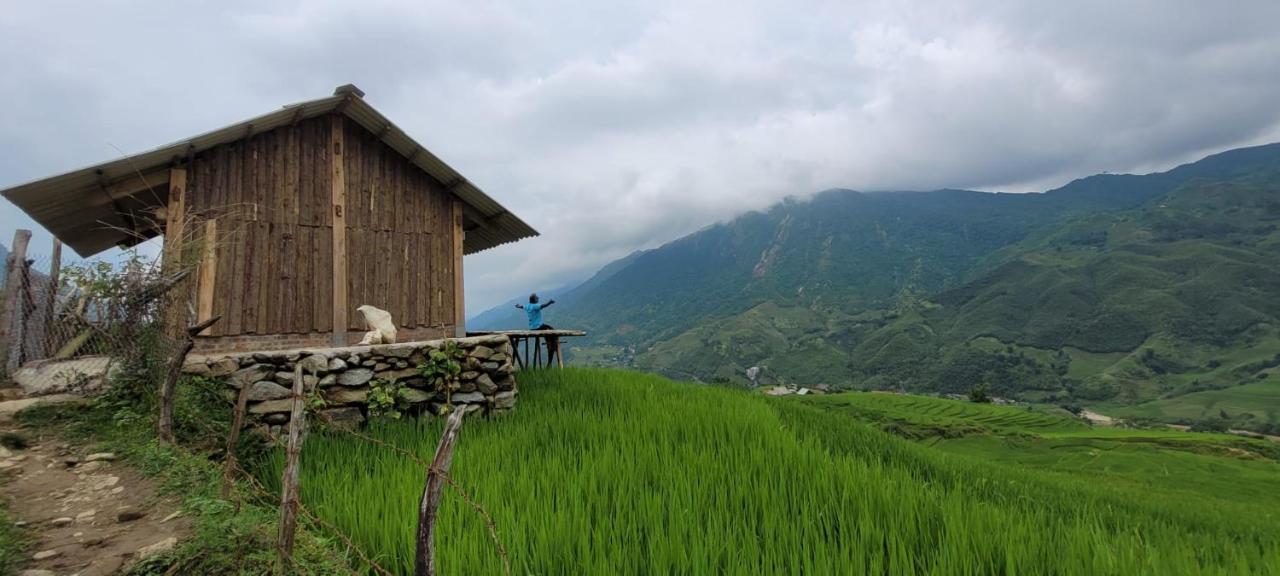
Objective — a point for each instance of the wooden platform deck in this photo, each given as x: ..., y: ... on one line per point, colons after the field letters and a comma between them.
x: 539, y: 338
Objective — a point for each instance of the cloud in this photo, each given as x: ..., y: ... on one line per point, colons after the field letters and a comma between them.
x: 619, y: 126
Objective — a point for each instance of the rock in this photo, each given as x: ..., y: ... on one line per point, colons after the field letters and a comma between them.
x: 481, y: 352
x: 343, y: 395
x: 400, y: 364
x: 490, y: 366
x: 265, y: 358
x: 96, y: 456
x: 158, y: 548
x: 356, y: 377
x: 485, y: 385
x: 402, y: 351
x: 397, y: 375
x: 328, y: 380
x: 464, y: 386
x: 63, y: 521
x: 380, y: 366
x: 343, y: 417
x: 276, y: 418
x: 222, y: 367
x: 505, y: 368
x: 45, y: 554
x: 500, y: 358
x: 171, y: 516
x: 337, y: 364
x: 469, y: 408
x: 507, y: 383
x: 36, y: 572
x: 505, y: 400
x: 469, y: 375
x: 467, y: 398
x: 86, y: 516
x: 415, y: 396
x: 271, y: 406
x: 129, y: 515
x: 314, y: 364
x: 416, y: 382
x: 197, y: 368
x: 379, y: 320
x: 90, y: 466
x: 370, y: 363
x: 286, y: 379
x: 265, y: 390
x: 247, y: 376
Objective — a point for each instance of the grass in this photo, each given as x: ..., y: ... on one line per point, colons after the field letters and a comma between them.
x: 12, y: 544
x: 1257, y: 402
x: 602, y: 471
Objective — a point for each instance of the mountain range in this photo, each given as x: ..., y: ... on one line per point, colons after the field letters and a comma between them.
x: 1149, y: 296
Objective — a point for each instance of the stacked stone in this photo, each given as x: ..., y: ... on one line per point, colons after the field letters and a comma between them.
x: 343, y: 377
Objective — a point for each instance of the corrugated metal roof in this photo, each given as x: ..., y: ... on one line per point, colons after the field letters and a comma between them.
x: 80, y: 208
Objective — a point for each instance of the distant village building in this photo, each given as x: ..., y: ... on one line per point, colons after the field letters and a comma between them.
x: 312, y: 210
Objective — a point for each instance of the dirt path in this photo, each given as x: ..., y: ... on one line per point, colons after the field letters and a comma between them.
x: 87, y: 514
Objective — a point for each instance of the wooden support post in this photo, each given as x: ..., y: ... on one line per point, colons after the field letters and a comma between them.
x: 339, y: 199
x: 176, y: 313
x: 459, y: 304
x: 537, y: 352
x: 51, y: 299
x: 425, y: 563
x: 12, y: 301
x: 207, y: 273
x: 237, y: 422
x: 289, y: 481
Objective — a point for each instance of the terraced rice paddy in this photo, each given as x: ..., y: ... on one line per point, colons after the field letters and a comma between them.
x: 609, y: 472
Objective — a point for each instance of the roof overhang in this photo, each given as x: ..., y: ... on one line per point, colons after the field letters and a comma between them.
x: 113, y: 203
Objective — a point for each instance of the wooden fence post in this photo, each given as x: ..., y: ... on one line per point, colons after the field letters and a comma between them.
x: 16, y: 262
x: 51, y: 299
x: 425, y: 563
x: 237, y: 422
x: 289, y: 482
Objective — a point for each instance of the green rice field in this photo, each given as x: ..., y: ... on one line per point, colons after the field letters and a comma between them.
x: 613, y: 472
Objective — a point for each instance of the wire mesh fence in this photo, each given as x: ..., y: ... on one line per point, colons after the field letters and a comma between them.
x: 65, y: 327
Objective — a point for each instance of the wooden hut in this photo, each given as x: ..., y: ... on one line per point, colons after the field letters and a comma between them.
x: 315, y: 209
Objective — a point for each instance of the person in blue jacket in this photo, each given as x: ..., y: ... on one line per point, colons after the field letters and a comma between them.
x: 533, y: 310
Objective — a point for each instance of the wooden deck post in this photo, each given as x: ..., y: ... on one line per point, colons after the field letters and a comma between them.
x: 339, y: 197
x: 175, y: 313
x: 12, y: 306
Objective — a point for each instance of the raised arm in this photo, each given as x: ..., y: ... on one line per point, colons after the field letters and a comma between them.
x: 519, y: 305
x: 549, y: 303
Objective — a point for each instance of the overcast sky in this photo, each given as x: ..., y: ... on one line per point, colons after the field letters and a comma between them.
x: 616, y: 126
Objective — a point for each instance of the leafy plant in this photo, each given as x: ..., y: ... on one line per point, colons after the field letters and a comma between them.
x: 980, y: 394
x: 442, y: 367
x: 387, y: 398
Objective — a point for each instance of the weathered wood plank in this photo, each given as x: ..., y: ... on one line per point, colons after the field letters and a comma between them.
x: 207, y: 274
x: 459, y: 310
x: 253, y: 273
x: 235, y: 284
x: 339, y: 203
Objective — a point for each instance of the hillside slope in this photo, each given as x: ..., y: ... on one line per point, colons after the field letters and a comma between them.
x: 1113, y: 290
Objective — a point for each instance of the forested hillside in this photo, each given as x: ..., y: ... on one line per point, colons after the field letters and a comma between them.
x: 1129, y: 292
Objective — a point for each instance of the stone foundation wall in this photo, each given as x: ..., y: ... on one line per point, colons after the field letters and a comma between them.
x: 210, y: 345
x: 343, y: 376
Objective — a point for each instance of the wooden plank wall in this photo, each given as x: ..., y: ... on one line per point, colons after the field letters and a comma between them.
x: 271, y: 195
x: 398, y: 235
